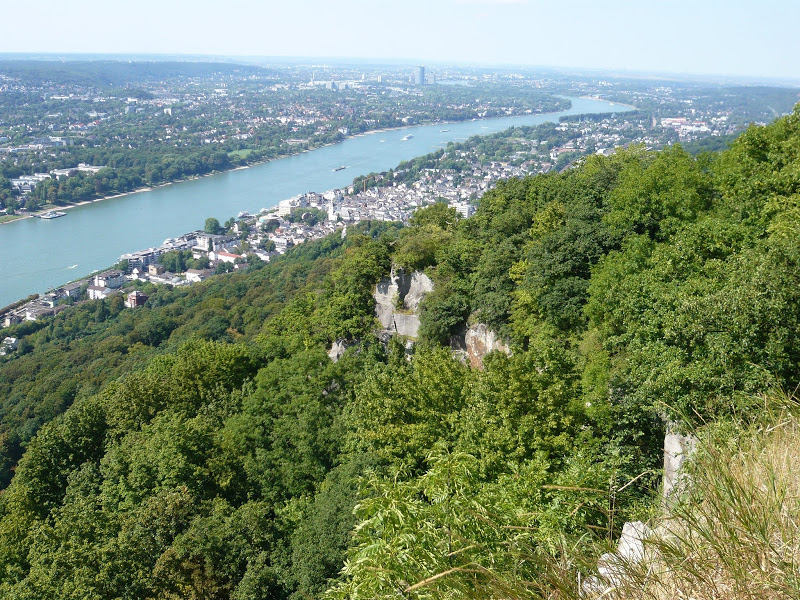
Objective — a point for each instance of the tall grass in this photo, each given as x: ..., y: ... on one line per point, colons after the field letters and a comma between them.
x: 736, y: 531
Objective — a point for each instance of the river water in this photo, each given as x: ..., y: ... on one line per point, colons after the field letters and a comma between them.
x: 37, y: 254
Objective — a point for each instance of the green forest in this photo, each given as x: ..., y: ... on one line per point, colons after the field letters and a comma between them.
x: 206, y: 446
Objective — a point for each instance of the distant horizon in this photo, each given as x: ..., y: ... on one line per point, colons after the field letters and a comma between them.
x: 374, y: 62
x: 684, y: 37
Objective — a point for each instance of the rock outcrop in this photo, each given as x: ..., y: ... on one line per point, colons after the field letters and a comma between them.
x: 397, y: 300
x: 632, y: 547
x: 420, y: 286
x: 476, y: 342
x: 677, y: 448
x: 612, y: 566
x: 338, y: 349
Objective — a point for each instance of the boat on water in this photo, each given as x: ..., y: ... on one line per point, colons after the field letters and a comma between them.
x: 52, y: 214
x: 408, y: 137
x: 339, y: 168
x: 443, y: 130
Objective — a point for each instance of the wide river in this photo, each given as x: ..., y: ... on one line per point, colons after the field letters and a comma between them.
x: 37, y: 254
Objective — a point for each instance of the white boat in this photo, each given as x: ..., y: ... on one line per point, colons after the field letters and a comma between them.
x: 52, y: 215
x: 408, y: 137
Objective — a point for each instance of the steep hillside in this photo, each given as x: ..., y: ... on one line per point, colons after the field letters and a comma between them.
x: 205, y: 446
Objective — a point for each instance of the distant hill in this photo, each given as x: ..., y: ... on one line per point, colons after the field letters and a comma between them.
x: 105, y: 73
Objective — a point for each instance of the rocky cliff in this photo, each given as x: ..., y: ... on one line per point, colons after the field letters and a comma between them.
x: 397, y: 300
x: 475, y: 342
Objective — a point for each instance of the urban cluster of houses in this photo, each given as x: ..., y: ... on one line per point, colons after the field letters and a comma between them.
x: 686, y: 126
x: 102, y: 285
x: 270, y: 233
x: 396, y: 202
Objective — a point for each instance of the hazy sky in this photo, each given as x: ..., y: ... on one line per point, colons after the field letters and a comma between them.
x: 733, y: 37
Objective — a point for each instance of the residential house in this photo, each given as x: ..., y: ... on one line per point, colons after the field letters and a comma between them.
x: 11, y: 319
x: 72, y: 290
x: 167, y: 278
x: 135, y: 298
x: 9, y: 345
x: 36, y: 312
x: 197, y: 275
x: 209, y: 241
x: 223, y: 256
x: 142, y: 258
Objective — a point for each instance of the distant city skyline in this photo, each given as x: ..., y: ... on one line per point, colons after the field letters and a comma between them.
x: 704, y: 37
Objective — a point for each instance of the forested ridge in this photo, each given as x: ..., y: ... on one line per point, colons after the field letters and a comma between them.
x: 205, y: 446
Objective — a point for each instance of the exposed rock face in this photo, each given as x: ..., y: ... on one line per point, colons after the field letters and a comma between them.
x: 337, y: 350
x: 401, y: 290
x: 677, y: 448
x: 407, y: 325
x: 479, y: 340
x: 397, y: 300
x: 631, y: 543
x: 420, y: 286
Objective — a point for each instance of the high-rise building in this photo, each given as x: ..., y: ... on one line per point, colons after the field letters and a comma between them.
x: 419, y: 77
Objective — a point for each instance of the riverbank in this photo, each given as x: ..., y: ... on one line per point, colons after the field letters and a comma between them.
x: 51, y: 207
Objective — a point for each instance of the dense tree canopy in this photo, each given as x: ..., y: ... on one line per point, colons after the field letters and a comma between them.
x: 205, y: 445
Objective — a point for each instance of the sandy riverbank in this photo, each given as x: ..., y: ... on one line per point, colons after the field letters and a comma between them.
x: 614, y: 102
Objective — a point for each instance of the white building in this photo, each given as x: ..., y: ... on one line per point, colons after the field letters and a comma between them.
x: 97, y: 292
x: 110, y: 279
x: 465, y: 209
